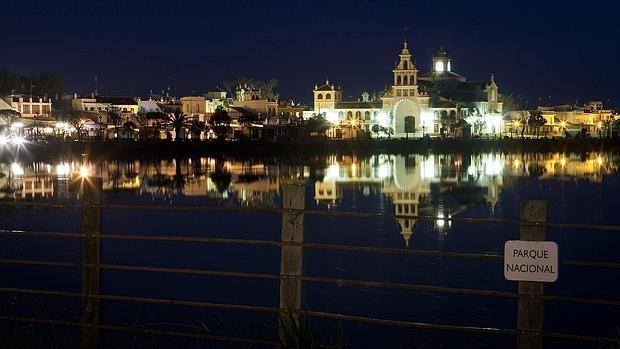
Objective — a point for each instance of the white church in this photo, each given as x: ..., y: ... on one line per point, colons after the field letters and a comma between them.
x: 436, y: 104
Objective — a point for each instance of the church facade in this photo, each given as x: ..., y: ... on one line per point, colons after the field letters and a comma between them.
x: 439, y: 103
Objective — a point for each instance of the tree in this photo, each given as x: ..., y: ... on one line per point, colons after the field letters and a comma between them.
x: 9, y: 116
x: 220, y: 123
x: 267, y: 87
x: 607, y: 124
x: 78, y: 124
x: 615, y: 127
x: 44, y: 84
x: 156, y: 120
x: 522, y: 122
x: 128, y: 128
x: 510, y: 103
x: 479, y: 125
x: 178, y: 120
x: 247, y: 119
x: 447, y: 119
x: 196, y: 127
x: 318, y: 125
x: 536, y: 120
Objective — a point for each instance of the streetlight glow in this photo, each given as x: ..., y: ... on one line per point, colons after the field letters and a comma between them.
x: 84, y: 171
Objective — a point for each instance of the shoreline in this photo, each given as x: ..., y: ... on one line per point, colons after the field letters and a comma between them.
x: 128, y: 149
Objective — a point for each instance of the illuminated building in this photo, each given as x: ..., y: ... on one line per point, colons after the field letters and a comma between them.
x: 572, y: 119
x: 30, y: 107
x: 414, y: 106
x: 194, y: 107
x: 249, y: 99
x: 454, y: 98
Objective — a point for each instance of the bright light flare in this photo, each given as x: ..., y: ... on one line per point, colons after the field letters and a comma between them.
x: 84, y: 171
x: 382, y: 119
x: 4, y: 140
x: 17, y: 169
x: 17, y: 140
x: 63, y: 170
x: 441, y: 222
x: 62, y: 125
x: 331, y: 117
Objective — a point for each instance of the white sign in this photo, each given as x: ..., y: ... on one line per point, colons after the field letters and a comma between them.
x: 531, y: 261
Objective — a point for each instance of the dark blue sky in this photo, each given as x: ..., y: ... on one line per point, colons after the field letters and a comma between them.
x: 535, y: 48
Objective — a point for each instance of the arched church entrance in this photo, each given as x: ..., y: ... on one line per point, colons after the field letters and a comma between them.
x: 405, y: 114
x: 409, y: 124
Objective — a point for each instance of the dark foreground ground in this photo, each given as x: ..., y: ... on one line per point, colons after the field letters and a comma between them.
x: 121, y: 149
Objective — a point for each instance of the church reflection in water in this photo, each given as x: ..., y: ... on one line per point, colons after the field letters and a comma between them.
x: 437, y: 185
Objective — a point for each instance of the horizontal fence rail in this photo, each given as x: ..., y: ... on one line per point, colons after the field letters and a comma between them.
x: 278, y: 243
x: 292, y: 215
x: 257, y: 210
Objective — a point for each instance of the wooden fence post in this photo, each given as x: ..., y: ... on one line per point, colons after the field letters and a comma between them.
x: 91, y: 249
x: 291, y: 261
x: 530, y: 307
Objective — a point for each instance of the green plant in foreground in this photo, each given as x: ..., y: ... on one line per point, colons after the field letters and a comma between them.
x: 297, y: 331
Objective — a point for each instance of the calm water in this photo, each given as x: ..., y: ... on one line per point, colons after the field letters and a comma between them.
x: 581, y: 188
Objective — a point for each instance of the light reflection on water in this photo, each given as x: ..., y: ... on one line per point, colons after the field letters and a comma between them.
x: 439, y: 185
x: 247, y: 182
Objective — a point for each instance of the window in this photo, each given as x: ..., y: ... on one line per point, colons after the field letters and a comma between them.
x: 439, y: 66
x: 398, y: 80
x: 405, y: 80
x: 320, y: 96
x: 398, y: 93
x: 328, y: 96
x: 367, y: 115
x: 405, y: 93
x: 405, y: 65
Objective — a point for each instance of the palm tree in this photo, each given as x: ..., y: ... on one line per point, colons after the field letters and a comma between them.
x: 178, y: 120
x: 196, y: 127
x: 155, y: 119
x: 536, y: 120
x: 114, y: 118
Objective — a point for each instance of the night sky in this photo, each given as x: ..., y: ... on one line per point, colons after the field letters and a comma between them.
x: 553, y: 51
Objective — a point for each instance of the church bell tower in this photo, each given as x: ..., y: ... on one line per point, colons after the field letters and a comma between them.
x: 405, y: 82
